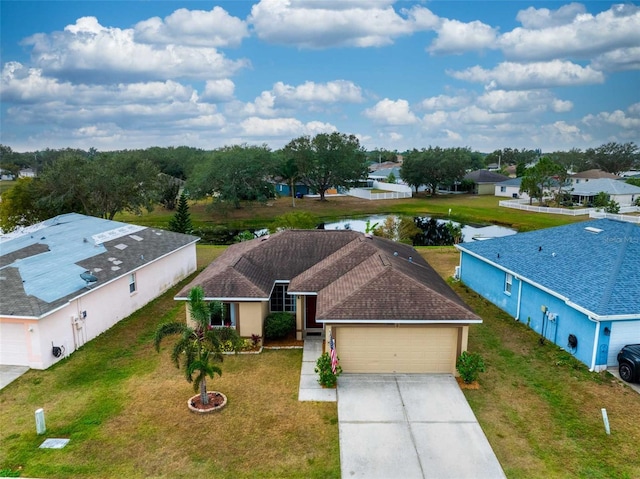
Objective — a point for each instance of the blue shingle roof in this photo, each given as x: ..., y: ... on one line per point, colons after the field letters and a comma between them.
x: 599, y: 271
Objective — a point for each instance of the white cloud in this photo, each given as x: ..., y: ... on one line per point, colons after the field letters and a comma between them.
x: 530, y: 101
x: 540, y: 18
x: 89, y: 52
x: 391, y: 112
x: 323, y: 24
x: 618, y: 118
x: 458, y: 37
x: 215, y: 28
x: 510, y: 75
x: 282, y: 127
x: 584, y: 37
x: 218, y: 90
x: 618, y: 60
x: 22, y: 84
x: 444, y: 102
x: 337, y: 91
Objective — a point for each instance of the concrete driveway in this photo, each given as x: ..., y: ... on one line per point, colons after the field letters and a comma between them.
x: 410, y: 426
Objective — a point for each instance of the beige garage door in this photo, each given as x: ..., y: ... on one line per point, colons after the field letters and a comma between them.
x: 397, y: 349
x: 13, y: 344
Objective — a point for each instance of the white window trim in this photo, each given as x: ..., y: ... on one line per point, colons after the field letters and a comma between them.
x: 133, y: 285
x: 508, y: 283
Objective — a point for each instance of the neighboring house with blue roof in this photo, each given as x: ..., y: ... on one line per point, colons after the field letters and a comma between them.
x: 510, y: 189
x: 617, y: 190
x: 68, y: 279
x: 577, y: 285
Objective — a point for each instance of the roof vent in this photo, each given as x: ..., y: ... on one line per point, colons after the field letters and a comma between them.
x: 593, y: 230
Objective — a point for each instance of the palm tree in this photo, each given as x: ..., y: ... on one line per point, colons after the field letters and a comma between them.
x: 199, y: 344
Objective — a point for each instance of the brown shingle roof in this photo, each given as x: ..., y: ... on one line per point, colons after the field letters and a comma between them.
x: 356, y: 277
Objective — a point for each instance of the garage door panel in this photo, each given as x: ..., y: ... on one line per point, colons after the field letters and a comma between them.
x: 622, y: 333
x: 13, y: 344
x: 397, y: 350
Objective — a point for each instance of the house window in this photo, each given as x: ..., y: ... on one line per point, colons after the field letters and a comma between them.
x: 132, y: 283
x: 280, y: 300
x: 508, y: 282
x: 503, y: 189
x: 227, y: 318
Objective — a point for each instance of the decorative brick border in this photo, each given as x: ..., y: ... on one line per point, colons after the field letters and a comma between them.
x: 208, y: 410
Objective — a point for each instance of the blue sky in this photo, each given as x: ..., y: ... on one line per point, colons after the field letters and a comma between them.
x: 487, y: 75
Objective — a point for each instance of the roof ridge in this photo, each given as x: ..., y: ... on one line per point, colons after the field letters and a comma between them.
x: 615, y: 271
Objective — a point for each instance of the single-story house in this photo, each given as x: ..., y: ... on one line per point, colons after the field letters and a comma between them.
x: 589, y: 175
x: 577, y: 285
x: 485, y: 181
x: 68, y: 279
x: 510, y: 189
x: 386, y: 308
x: 27, y: 173
x: 619, y: 191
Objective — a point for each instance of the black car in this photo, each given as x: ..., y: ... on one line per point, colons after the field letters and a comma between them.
x: 629, y: 363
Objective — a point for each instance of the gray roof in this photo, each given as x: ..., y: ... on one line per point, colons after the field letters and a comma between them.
x: 485, y: 176
x: 598, y: 270
x: 594, y: 174
x: 355, y: 276
x: 40, y: 266
x: 607, y: 185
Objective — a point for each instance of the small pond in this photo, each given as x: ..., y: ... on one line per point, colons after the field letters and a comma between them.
x: 469, y: 232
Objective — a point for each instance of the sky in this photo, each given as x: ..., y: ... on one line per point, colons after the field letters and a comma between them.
x: 398, y: 75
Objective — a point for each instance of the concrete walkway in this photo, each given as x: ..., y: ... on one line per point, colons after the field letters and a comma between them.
x: 310, y: 389
x: 11, y: 373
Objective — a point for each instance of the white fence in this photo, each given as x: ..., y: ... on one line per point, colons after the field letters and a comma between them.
x: 518, y: 205
x: 391, y: 192
x: 612, y: 216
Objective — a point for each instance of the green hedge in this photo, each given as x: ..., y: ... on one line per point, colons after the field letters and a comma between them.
x: 279, y: 325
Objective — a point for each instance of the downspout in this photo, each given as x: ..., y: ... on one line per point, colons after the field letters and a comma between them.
x: 519, y: 299
x: 595, y: 346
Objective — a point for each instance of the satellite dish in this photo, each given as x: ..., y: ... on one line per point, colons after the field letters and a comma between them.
x: 88, y: 277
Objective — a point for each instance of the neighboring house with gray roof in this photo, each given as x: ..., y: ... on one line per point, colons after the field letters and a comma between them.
x: 619, y: 191
x: 510, y: 189
x: 68, y: 279
x: 387, y: 309
x: 589, y: 175
x: 577, y: 285
x: 485, y: 181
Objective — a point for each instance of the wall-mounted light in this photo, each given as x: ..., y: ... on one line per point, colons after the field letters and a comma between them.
x: 607, y: 331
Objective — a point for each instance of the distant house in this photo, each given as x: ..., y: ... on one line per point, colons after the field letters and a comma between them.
x: 386, y: 308
x: 619, y: 191
x: 510, y: 189
x: 578, y: 286
x: 588, y: 175
x: 485, y: 181
x: 6, y: 175
x: 27, y: 173
x: 68, y: 279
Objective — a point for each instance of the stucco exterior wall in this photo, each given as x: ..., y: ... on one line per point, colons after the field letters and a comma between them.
x: 102, y: 306
x: 251, y: 317
x: 555, y: 323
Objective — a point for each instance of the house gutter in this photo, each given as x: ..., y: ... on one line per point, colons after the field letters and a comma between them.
x: 595, y: 345
x: 453, y: 322
x: 519, y: 297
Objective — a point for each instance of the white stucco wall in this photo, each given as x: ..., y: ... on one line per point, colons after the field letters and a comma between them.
x: 105, y: 305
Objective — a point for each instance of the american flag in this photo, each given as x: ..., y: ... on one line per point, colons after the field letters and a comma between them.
x: 334, y: 355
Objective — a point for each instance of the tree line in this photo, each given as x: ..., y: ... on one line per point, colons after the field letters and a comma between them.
x: 106, y: 183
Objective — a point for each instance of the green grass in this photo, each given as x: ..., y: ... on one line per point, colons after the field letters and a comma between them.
x: 539, y: 407
x: 468, y: 209
x: 123, y: 406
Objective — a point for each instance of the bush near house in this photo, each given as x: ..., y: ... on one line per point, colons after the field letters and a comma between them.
x: 279, y: 325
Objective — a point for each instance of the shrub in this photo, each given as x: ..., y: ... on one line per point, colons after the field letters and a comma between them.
x: 279, y: 325
x: 469, y: 365
x: 323, y: 368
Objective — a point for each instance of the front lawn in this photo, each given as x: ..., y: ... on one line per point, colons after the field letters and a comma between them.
x: 539, y: 407
x: 124, y: 407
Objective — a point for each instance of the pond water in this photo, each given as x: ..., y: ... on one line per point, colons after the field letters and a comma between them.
x: 469, y: 232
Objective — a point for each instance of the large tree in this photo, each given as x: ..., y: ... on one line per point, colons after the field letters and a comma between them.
x: 328, y: 161
x: 613, y: 157
x: 234, y: 174
x: 542, y: 177
x: 435, y: 166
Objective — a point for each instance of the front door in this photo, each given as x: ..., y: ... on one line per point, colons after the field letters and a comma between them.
x: 310, y: 313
